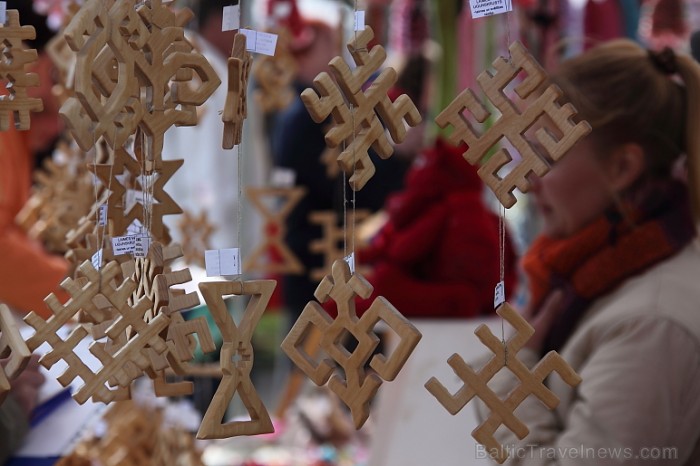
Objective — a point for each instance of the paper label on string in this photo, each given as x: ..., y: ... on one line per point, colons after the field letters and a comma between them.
x: 232, y: 18
x: 283, y: 177
x: 482, y: 8
x: 250, y: 39
x: 499, y: 295
x: 359, y: 20
x: 266, y: 43
x: 350, y: 259
x: 102, y: 215
x: 97, y: 259
x: 141, y: 246
x: 123, y: 244
x: 222, y: 262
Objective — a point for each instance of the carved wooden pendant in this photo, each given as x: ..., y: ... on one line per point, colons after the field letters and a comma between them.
x: 358, y: 386
x: 196, y: 233
x: 274, y: 77
x: 274, y: 231
x: 513, y: 124
x: 12, y: 346
x: 236, y: 358
x: 331, y: 244
x: 356, y: 113
x: 531, y: 381
x: 236, y: 109
x: 13, y: 60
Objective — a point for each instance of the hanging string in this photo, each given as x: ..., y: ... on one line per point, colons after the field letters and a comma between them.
x: 239, y: 162
x: 354, y: 157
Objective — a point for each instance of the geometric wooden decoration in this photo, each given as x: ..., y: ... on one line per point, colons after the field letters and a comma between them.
x: 554, y: 140
x: 13, y: 59
x: 357, y: 386
x: 236, y: 108
x: 236, y: 358
x: 134, y: 69
x: 531, y: 382
x: 12, y: 346
x: 331, y: 244
x: 196, y: 232
x: 274, y: 228
x: 356, y: 113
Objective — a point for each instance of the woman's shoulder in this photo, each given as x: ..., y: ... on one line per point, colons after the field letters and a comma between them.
x: 669, y: 291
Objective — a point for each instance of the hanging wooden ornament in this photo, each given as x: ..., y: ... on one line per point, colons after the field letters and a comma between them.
x: 134, y: 69
x: 196, y: 234
x: 504, y: 356
x: 358, y: 386
x: 236, y: 109
x: 236, y: 358
x: 13, y: 61
x: 551, y: 142
x: 356, y: 113
x: 12, y: 346
x: 274, y: 218
x: 330, y: 245
x: 119, y: 366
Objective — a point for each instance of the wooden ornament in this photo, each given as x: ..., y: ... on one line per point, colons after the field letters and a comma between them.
x: 236, y: 109
x: 119, y: 366
x: 12, y: 346
x: 274, y: 230
x: 236, y: 358
x: 196, y: 234
x: 274, y: 77
x: 136, y: 70
x: 552, y: 141
x: 358, y: 386
x: 504, y: 355
x: 357, y: 122
x: 331, y: 244
x: 13, y: 60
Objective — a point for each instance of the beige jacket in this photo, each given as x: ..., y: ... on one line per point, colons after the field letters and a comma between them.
x: 638, y: 352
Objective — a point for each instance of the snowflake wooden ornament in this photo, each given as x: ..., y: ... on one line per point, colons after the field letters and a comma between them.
x: 274, y: 76
x: 236, y: 359
x: 12, y: 346
x: 357, y: 388
x: 274, y: 218
x: 504, y: 355
x: 356, y: 113
x: 555, y: 141
x: 236, y: 109
x: 13, y: 61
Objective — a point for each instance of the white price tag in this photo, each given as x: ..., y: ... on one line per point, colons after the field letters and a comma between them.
x: 141, y: 246
x: 232, y: 18
x: 499, y: 295
x: 3, y: 12
x: 359, y: 20
x: 123, y: 244
x: 481, y: 8
x: 266, y: 43
x: 350, y: 259
x: 283, y: 177
x: 97, y: 259
x: 102, y: 215
x: 223, y: 262
x: 260, y: 42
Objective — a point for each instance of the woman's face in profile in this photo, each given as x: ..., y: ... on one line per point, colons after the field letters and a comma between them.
x: 574, y: 193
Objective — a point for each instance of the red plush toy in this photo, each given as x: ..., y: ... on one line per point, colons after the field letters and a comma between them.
x: 438, y: 254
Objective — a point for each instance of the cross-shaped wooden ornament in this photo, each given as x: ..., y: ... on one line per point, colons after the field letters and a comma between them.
x: 236, y: 109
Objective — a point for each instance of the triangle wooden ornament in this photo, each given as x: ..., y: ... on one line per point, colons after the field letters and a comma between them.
x: 531, y: 382
x: 236, y: 358
x: 551, y: 142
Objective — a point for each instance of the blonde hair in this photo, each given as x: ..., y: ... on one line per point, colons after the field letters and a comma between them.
x: 628, y: 95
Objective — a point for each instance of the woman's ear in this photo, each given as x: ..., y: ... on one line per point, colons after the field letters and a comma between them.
x: 625, y: 166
